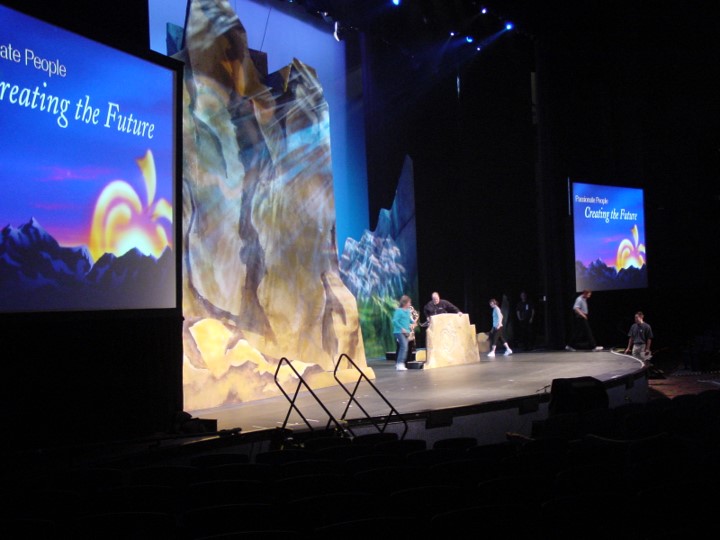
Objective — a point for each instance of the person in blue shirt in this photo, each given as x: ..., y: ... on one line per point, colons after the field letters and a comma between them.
x: 496, y: 334
x: 402, y: 329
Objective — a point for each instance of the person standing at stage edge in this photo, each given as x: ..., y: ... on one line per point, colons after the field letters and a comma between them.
x: 581, y: 324
x: 402, y: 327
x: 496, y: 334
x: 525, y: 313
x: 640, y: 338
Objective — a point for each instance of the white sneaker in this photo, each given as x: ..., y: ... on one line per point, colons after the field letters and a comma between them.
x: 491, y: 354
x: 401, y: 368
x: 569, y: 348
x: 508, y: 351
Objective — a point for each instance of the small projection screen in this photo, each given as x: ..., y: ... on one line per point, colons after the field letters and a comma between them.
x: 88, y: 147
x: 609, y: 235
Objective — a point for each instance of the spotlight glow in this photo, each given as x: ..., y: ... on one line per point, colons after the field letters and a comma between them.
x: 469, y: 39
x: 509, y: 26
x: 483, y: 11
x: 395, y: 2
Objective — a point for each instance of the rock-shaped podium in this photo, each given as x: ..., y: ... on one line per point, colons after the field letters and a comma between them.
x: 451, y: 341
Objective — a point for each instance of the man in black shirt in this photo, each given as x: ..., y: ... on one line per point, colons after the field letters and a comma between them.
x: 437, y: 306
x: 525, y: 313
x: 640, y: 338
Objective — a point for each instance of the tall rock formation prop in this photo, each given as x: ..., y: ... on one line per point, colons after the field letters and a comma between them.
x: 260, y: 269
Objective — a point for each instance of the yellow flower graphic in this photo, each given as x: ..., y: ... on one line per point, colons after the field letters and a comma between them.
x: 630, y: 253
x: 121, y: 222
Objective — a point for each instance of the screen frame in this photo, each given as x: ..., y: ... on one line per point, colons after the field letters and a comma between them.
x: 175, y: 68
x: 571, y: 192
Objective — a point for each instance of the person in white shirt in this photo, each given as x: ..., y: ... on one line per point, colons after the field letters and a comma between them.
x: 581, y: 325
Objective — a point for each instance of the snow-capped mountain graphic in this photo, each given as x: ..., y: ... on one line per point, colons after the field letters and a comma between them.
x: 38, y: 274
x: 37, y: 257
x: 598, y: 276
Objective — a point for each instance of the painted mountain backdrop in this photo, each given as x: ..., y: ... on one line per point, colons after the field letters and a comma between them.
x: 38, y: 274
x: 382, y: 266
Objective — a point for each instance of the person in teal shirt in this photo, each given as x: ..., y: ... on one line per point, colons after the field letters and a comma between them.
x: 402, y: 328
x: 496, y: 334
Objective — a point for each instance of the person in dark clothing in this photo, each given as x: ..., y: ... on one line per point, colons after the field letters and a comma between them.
x: 640, y: 338
x: 525, y: 313
x: 437, y: 306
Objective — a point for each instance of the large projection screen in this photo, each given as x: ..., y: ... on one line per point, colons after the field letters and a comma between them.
x: 609, y: 236
x: 88, y: 146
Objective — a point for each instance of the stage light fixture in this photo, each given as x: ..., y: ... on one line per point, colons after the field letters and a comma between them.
x: 395, y: 3
x: 484, y: 11
x: 452, y: 34
x: 509, y: 26
x: 469, y: 39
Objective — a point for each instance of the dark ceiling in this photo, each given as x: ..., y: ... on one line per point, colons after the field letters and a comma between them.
x: 417, y: 21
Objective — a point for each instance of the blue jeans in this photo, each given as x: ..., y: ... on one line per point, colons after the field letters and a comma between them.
x: 402, y: 341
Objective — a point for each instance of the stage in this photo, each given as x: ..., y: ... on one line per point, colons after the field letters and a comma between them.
x: 484, y: 400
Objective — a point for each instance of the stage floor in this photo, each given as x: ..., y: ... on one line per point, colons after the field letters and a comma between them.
x: 418, y: 391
